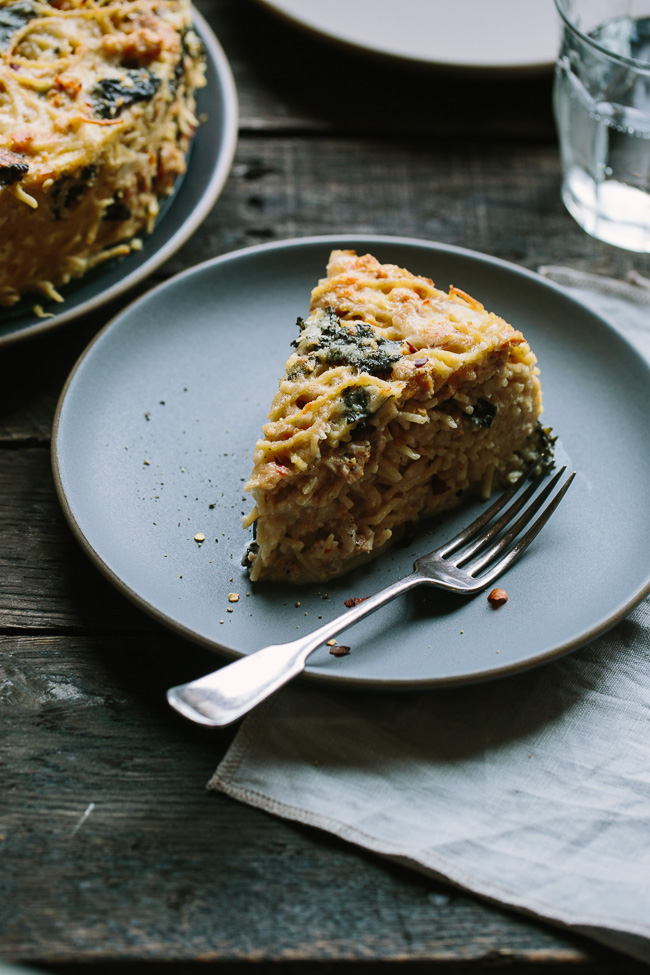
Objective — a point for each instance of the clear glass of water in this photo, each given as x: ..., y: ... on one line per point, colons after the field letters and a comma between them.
x: 601, y: 100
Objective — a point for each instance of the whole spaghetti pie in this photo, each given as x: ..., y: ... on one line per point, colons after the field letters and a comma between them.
x: 399, y: 400
x: 97, y: 113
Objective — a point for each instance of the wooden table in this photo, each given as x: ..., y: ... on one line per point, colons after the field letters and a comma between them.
x: 111, y: 850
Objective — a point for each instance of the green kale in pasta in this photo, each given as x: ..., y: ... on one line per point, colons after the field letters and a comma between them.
x: 484, y: 413
x: 358, y: 405
x: 110, y: 95
x: 12, y: 18
x: 340, y: 343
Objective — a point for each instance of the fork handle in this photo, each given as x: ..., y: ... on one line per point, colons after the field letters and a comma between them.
x: 227, y: 694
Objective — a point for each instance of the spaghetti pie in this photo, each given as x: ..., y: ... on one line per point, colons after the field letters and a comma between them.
x: 96, y: 116
x: 398, y: 400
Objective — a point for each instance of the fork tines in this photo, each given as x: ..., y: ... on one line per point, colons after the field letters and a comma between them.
x: 489, y: 537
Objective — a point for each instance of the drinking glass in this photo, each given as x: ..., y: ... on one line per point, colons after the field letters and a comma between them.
x: 601, y: 100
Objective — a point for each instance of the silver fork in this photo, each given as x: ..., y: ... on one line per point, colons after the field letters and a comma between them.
x: 466, y: 564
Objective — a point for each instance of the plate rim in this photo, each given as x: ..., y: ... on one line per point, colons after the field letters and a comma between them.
x: 320, y: 676
x: 189, y: 226
x: 482, y: 69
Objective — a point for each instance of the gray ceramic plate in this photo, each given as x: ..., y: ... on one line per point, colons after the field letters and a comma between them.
x: 502, y: 35
x: 154, y: 437
x: 208, y: 167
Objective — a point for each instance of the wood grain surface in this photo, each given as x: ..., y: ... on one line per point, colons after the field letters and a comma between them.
x: 112, y: 853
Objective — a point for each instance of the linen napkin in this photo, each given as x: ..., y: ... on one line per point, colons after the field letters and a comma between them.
x: 532, y: 791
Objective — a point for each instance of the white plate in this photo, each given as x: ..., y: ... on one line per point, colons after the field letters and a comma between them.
x: 183, y: 378
x: 209, y: 163
x: 489, y: 35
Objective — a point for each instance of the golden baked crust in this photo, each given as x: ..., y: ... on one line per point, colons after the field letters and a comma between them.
x: 398, y: 399
x: 96, y: 116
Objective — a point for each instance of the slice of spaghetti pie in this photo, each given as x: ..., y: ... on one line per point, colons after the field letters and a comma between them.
x: 397, y: 401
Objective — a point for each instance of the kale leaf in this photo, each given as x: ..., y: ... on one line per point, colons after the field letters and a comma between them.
x: 342, y: 343
x: 12, y: 167
x: 117, y: 210
x: 110, y: 95
x: 484, y: 413
x: 12, y: 18
x: 359, y: 407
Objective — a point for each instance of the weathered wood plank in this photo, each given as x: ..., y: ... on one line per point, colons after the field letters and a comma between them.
x: 503, y: 200
x: 112, y: 849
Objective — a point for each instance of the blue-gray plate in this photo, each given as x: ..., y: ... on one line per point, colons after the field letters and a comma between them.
x: 154, y: 437
x: 194, y: 196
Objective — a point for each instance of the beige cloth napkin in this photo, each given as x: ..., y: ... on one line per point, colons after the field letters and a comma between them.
x: 533, y: 791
